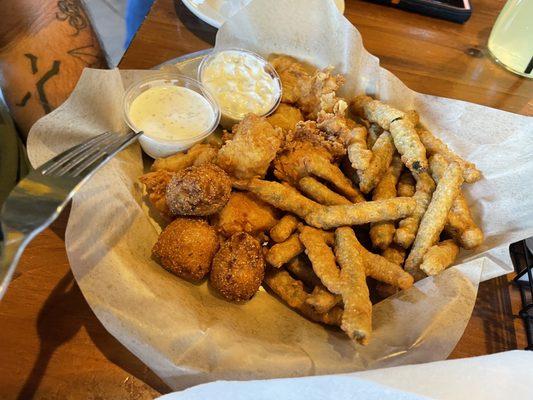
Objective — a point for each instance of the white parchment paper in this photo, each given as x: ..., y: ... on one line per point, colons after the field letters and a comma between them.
x: 187, y: 335
x: 498, y: 376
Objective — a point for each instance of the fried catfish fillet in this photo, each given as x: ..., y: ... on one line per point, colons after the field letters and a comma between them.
x: 253, y: 146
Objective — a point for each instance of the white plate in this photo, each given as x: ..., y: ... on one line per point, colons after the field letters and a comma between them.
x: 216, y: 12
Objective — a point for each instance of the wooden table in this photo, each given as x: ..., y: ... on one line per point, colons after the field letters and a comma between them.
x: 51, y: 344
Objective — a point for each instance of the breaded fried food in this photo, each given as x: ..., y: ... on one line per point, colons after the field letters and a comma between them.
x: 406, y: 185
x: 381, y: 269
x: 301, y: 159
x: 374, y: 131
x: 282, y: 253
x: 320, y: 192
x: 405, y: 234
x: 292, y: 292
x: 238, y: 267
x: 327, y: 236
x: 198, y: 154
x: 322, y: 259
x: 308, y: 131
x: 186, y: 247
x: 439, y: 257
x: 327, y: 217
x: 436, y: 146
x: 382, y: 233
x: 245, y: 212
x: 285, y: 117
x: 198, y: 190
x: 413, y: 117
x: 351, y: 134
x: 300, y: 267
x: 310, y: 91
x: 284, y: 228
x: 295, y: 77
x: 254, y: 145
x: 281, y: 196
x: 156, y: 187
x: 402, y: 130
x: 382, y: 153
x: 320, y: 95
x: 434, y: 219
x: 322, y: 300
x: 460, y: 225
x: 357, y: 316
x: 395, y: 254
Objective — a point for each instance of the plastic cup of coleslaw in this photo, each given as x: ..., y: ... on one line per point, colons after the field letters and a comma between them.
x: 241, y: 82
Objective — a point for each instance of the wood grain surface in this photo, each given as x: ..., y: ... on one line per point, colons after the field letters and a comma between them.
x: 51, y: 344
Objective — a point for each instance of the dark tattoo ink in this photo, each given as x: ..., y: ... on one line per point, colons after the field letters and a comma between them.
x: 33, y: 61
x: 54, y: 70
x: 72, y: 11
x: 24, y: 100
x: 43, y: 100
x: 89, y: 55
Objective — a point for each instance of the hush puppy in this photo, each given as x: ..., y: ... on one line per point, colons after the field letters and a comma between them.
x: 186, y: 248
x: 198, y: 190
x: 238, y: 267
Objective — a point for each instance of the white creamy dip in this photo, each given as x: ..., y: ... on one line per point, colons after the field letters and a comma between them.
x: 240, y: 83
x: 171, y: 113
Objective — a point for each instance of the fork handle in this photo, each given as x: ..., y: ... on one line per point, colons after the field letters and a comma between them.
x: 13, y: 244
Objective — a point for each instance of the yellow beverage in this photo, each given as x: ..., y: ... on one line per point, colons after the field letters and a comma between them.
x: 511, y: 39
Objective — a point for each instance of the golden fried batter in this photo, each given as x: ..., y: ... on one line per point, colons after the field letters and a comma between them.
x: 198, y: 154
x: 284, y: 228
x: 186, y: 248
x: 282, y: 253
x: 281, y: 196
x: 245, y: 212
x: 238, y: 267
x: 200, y: 190
x: 352, y: 135
x: 253, y: 146
x: 307, y: 131
x: 439, y: 257
x: 320, y: 95
x: 434, y: 218
x: 292, y: 292
x: 300, y: 267
x: 156, y: 187
x: 295, y: 78
x: 301, y: 159
x: 311, y: 92
x: 285, y: 117
x: 406, y: 185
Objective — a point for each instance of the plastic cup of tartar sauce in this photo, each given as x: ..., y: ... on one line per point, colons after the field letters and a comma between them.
x: 241, y: 82
x: 172, y: 110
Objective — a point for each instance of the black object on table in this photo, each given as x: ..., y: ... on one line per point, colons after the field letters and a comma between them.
x: 452, y: 10
x: 522, y: 259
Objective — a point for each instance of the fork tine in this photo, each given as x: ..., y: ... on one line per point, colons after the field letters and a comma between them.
x: 56, y: 162
x: 83, y: 155
x: 92, y: 163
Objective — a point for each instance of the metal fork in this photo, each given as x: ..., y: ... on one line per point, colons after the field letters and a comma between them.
x: 41, y: 196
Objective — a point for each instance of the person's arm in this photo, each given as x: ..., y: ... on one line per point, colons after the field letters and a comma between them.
x: 44, y: 46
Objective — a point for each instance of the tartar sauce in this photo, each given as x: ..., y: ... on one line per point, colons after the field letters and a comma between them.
x: 240, y: 83
x: 171, y: 113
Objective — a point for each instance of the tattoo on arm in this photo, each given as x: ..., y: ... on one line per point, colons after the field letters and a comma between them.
x: 43, y: 100
x: 72, y: 11
x: 54, y: 70
x: 33, y: 61
x: 24, y: 100
x: 89, y: 55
